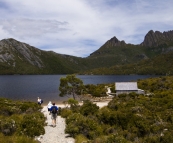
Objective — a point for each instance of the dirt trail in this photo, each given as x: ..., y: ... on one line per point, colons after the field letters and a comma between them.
x: 54, y: 134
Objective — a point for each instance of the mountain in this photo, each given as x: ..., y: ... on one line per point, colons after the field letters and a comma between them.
x: 153, y: 56
x: 154, y: 39
x: 20, y: 58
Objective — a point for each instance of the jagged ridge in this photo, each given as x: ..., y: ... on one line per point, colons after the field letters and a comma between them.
x: 154, y: 39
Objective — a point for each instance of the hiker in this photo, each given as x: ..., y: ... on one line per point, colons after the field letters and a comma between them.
x: 49, y: 105
x: 39, y: 101
x: 54, y: 111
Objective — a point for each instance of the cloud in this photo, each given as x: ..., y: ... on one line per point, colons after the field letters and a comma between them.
x: 27, y: 28
x: 80, y: 27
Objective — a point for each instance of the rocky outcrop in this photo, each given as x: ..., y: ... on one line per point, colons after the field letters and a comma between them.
x: 12, y: 50
x: 154, y: 39
x: 113, y: 42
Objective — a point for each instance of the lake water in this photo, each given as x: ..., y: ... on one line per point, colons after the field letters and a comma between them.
x: 29, y: 87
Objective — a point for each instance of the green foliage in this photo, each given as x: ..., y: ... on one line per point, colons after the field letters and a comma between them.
x: 116, y: 139
x: 16, y: 139
x: 95, y: 90
x: 7, y: 126
x: 88, y: 108
x: 20, y: 121
x: 70, y: 85
x: 78, y: 124
x: 80, y: 138
x: 72, y: 102
x: 65, y: 112
x: 32, y: 125
x: 141, y: 67
x: 129, y: 117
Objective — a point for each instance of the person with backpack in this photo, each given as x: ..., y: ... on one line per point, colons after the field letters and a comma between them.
x: 39, y: 101
x: 54, y: 111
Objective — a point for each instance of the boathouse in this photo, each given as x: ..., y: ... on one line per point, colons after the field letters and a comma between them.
x: 127, y: 87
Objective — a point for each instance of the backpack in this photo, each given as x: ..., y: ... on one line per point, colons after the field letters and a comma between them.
x: 54, y: 110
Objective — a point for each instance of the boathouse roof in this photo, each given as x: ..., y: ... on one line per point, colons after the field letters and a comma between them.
x: 126, y: 86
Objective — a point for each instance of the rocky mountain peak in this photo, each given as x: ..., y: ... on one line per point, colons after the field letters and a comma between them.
x: 114, y: 39
x: 114, y: 42
x: 153, y: 39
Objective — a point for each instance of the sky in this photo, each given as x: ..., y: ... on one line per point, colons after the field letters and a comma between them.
x: 80, y: 27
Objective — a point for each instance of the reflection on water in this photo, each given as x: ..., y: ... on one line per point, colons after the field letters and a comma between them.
x: 29, y: 87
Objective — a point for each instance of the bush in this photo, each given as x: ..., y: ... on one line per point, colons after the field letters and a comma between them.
x: 96, y: 90
x: 65, y: 112
x: 32, y: 125
x: 88, y: 108
x: 104, y: 115
x: 78, y: 124
x: 116, y: 139
x: 8, y: 126
x: 80, y: 139
x: 16, y: 139
x: 20, y: 121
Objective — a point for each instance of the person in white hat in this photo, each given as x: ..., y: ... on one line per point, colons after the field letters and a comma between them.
x: 49, y: 105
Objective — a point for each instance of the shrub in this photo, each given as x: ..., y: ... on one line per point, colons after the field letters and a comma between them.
x: 20, y: 121
x: 65, y: 112
x: 8, y: 126
x: 32, y: 125
x: 80, y: 139
x: 104, y: 114
x: 95, y: 90
x: 116, y: 139
x: 16, y: 139
x: 88, y: 108
x: 6, y: 111
x: 78, y: 124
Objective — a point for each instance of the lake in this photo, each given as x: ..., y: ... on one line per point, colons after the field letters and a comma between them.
x: 29, y: 87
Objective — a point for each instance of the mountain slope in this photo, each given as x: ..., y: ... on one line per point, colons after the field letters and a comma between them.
x: 159, y: 65
x: 20, y: 58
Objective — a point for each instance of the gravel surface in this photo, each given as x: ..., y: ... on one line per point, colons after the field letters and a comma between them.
x: 54, y: 134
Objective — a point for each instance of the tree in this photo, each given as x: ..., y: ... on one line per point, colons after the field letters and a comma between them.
x: 70, y: 85
x: 72, y: 102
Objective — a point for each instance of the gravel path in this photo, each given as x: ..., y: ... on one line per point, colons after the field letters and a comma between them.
x: 54, y: 134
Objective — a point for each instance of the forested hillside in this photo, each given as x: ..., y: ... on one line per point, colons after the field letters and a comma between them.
x: 159, y: 65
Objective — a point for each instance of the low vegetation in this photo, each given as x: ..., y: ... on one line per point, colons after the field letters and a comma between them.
x: 20, y: 121
x: 131, y: 118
